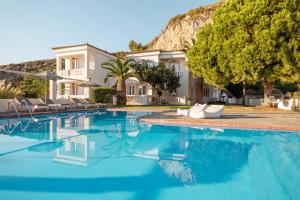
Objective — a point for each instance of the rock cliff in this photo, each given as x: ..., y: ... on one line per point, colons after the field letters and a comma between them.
x: 183, y: 27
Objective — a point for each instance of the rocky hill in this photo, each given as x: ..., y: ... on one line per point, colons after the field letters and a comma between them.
x: 179, y: 29
x: 183, y: 27
x: 36, y: 66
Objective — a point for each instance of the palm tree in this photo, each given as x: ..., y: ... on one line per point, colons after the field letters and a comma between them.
x: 121, y: 70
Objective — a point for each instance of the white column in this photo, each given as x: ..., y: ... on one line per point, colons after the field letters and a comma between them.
x: 53, y: 89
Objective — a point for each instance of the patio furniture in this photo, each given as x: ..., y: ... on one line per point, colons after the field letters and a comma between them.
x: 99, y: 105
x: 68, y: 102
x: 85, y: 105
x: 32, y: 104
x: 196, y: 108
x: 213, y: 111
x: 57, y: 106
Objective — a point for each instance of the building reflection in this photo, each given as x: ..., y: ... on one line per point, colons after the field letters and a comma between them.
x: 186, y: 155
x: 77, y: 147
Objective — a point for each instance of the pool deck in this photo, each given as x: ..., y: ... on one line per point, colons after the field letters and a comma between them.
x: 265, y: 119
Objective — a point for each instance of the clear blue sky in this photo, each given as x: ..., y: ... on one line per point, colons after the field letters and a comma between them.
x: 29, y: 28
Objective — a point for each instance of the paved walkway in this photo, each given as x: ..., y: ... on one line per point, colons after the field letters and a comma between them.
x: 277, y: 120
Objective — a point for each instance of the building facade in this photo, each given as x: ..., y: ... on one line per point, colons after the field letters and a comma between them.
x: 141, y: 93
x: 80, y: 65
x: 80, y: 68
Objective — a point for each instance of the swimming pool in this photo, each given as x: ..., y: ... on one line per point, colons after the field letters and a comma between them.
x: 111, y: 155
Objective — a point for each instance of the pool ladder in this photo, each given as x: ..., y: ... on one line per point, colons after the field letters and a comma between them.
x: 19, y: 123
x: 26, y: 105
x: 11, y: 102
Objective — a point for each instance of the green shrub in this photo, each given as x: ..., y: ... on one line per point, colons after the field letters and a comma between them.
x: 7, y: 92
x: 33, y: 88
x: 102, y: 94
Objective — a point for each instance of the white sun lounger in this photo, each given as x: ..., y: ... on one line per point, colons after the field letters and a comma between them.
x: 213, y: 111
x: 196, y: 108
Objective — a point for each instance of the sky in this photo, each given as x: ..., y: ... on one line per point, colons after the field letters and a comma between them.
x: 30, y: 28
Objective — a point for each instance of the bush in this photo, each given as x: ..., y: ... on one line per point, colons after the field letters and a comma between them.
x: 33, y: 88
x: 102, y: 94
x: 7, y: 92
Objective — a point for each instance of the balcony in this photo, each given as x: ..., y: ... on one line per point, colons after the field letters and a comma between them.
x: 70, y: 73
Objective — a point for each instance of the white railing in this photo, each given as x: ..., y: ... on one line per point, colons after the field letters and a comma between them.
x: 139, y: 100
x: 62, y: 73
x: 176, y: 100
x: 147, y: 100
x: 75, y: 72
x: 72, y: 72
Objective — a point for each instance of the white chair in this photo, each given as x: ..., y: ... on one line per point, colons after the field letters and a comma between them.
x: 194, y: 112
x: 213, y: 111
x: 185, y: 112
x: 196, y: 108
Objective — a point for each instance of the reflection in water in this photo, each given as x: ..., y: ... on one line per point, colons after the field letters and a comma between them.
x: 77, y: 139
x: 185, y: 156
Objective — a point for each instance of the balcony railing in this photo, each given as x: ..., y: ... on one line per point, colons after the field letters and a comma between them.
x: 72, y: 72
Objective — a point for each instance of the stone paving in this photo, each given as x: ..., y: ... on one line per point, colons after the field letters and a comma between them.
x: 277, y: 120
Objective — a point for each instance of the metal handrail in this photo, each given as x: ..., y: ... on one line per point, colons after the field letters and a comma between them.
x: 11, y: 131
x: 26, y: 104
x: 14, y: 106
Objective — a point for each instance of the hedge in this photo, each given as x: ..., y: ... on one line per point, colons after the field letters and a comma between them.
x: 102, y: 94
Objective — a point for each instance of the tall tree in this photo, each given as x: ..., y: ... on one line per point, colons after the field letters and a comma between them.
x: 120, y: 70
x: 250, y: 41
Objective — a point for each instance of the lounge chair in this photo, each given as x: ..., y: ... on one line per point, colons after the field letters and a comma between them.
x: 33, y: 104
x: 99, y: 105
x: 68, y: 102
x: 213, y: 111
x: 185, y: 112
x: 85, y: 105
x: 56, y: 106
x: 196, y: 108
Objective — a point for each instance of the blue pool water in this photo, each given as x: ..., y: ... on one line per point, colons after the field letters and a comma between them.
x: 110, y: 155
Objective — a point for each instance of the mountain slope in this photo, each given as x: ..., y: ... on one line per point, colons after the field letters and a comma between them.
x: 183, y: 27
x: 36, y: 66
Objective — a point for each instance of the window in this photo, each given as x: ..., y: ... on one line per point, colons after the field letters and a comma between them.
x: 131, y: 90
x: 142, y: 90
x: 92, y: 62
x: 179, y: 74
x: 62, y: 64
x: 206, y: 92
x: 62, y: 89
x: 175, y: 66
x: 75, y: 64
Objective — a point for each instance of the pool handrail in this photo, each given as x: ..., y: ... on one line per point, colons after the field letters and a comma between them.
x: 26, y: 104
x: 14, y: 106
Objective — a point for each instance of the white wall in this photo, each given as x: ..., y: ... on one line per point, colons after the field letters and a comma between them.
x: 169, y: 58
x: 97, y: 73
x: 4, y: 106
x: 152, y: 56
x: 90, y: 59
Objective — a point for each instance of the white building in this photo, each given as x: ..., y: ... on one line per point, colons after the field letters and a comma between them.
x: 82, y: 63
x: 140, y: 93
